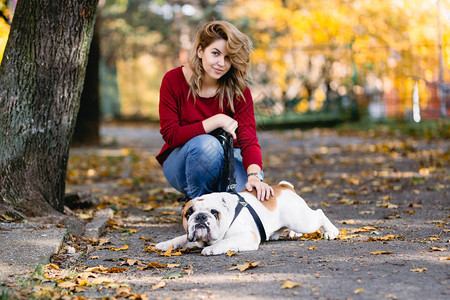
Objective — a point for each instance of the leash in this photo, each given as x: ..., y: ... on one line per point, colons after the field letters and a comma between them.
x: 228, y: 181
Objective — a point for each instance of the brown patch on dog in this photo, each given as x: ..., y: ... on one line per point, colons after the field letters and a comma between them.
x: 271, y: 203
x: 255, y: 237
x: 188, y: 205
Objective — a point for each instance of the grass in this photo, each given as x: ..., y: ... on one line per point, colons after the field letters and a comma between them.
x: 429, y: 130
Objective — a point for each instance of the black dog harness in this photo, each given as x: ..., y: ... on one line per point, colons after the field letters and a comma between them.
x: 228, y: 181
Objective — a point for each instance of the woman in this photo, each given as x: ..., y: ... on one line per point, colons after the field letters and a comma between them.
x: 210, y: 93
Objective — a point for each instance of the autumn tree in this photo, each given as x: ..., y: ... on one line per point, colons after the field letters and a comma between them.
x: 41, y: 79
x: 305, y: 48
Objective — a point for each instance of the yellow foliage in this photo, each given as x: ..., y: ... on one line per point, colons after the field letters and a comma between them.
x: 4, y: 33
x: 395, y: 40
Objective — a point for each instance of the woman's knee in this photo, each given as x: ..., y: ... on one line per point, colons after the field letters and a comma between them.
x: 205, y: 147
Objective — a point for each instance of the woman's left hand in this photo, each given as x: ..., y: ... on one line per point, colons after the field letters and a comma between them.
x: 263, y: 190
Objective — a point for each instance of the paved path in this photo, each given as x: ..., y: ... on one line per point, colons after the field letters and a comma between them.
x: 388, y: 196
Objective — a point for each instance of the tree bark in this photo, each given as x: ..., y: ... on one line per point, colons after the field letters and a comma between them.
x: 41, y: 79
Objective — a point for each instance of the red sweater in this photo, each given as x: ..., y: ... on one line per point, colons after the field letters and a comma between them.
x: 181, y: 119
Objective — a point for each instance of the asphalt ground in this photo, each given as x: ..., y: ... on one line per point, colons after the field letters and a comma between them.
x: 388, y: 195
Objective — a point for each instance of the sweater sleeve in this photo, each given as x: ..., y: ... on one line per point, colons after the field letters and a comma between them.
x: 170, y: 108
x: 247, y: 139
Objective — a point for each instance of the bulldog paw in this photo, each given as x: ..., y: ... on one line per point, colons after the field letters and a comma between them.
x: 214, y: 250
x: 163, y: 246
x: 331, y: 233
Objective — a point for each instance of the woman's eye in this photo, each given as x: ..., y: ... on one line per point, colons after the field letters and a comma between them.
x: 215, y: 213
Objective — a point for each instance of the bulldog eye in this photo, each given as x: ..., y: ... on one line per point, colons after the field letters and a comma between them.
x: 215, y: 213
x: 189, y: 212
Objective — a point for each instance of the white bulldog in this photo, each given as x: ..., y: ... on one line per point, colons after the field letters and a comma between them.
x: 207, y: 221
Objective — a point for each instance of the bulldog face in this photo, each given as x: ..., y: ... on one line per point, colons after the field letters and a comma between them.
x: 205, y: 218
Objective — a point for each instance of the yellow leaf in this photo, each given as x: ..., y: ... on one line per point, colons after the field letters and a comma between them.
x: 119, y: 249
x: 315, y: 236
x: 244, y: 267
x: 312, y: 248
x: 418, y: 270
x: 358, y: 291
x: 444, y: 258
x: 290, y: 285
x: 380, y: 252
x: 170, y: 253
x: 96, y: 269
x: 438, y: 249
x: 152, y: 265
x: 52, y: 266
x: 365, y: 229
x: 231, y: 253
x: 84, y: 216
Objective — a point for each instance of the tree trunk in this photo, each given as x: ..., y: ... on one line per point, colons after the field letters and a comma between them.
x: 88, y: 119
x: 41, y: 79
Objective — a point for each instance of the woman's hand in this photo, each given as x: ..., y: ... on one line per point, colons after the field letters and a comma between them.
x: 221, y: 121
x: 263, y: 190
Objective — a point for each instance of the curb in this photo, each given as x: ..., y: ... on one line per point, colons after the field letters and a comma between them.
x: 96, y: 227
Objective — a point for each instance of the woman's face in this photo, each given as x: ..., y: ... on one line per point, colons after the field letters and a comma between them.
x: 215, y: 60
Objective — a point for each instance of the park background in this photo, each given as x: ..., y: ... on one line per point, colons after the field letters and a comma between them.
x: 315, y: 61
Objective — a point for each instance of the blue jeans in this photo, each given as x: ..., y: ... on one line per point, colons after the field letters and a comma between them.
x: 195, y: 168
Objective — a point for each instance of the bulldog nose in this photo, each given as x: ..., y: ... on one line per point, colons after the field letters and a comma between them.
x: 201, y: 217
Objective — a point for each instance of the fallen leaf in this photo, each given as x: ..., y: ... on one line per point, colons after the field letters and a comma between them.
x: 84, y: 216
x: 170, y: 266
x: 67, y: 284
x: 116, y: 270
x: 360, y: 290
x: 169, y: 252
x: 159, y: 285
x: 315, y: 236
x: 349, y: 222
x: 290, y: 285
x: 94, y: 257
x: 365, y: 229
x: 173, y: 276
x: 101, y: 280
x: 152, y: 265
x: 388, y: 205
x: 380, y: 252
x: 418, y: 270
x: 383, y: 238
x: 119, y: 249
x: 56, y: 267
x: 245, y: 266
x: 129, y: 262
x: 231, y: 253
x: 312, y: 248
x: 437, y: 249
x: 444, y: 258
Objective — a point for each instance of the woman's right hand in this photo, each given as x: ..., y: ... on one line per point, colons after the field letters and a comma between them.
x: 221, y: 121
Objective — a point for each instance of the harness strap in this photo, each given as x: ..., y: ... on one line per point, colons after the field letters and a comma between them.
x: 228, y: 182
x: 241, y: 204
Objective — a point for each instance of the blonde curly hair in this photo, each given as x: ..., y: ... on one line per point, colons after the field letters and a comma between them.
x: 239, y: 47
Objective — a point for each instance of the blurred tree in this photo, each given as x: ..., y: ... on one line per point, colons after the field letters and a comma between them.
x: 87, y: 128
x: 41, y: 78
x: 311, y: 48
x: 132, y: 31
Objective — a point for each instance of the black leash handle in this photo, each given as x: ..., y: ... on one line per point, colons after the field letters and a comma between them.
x: 228, y: 178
